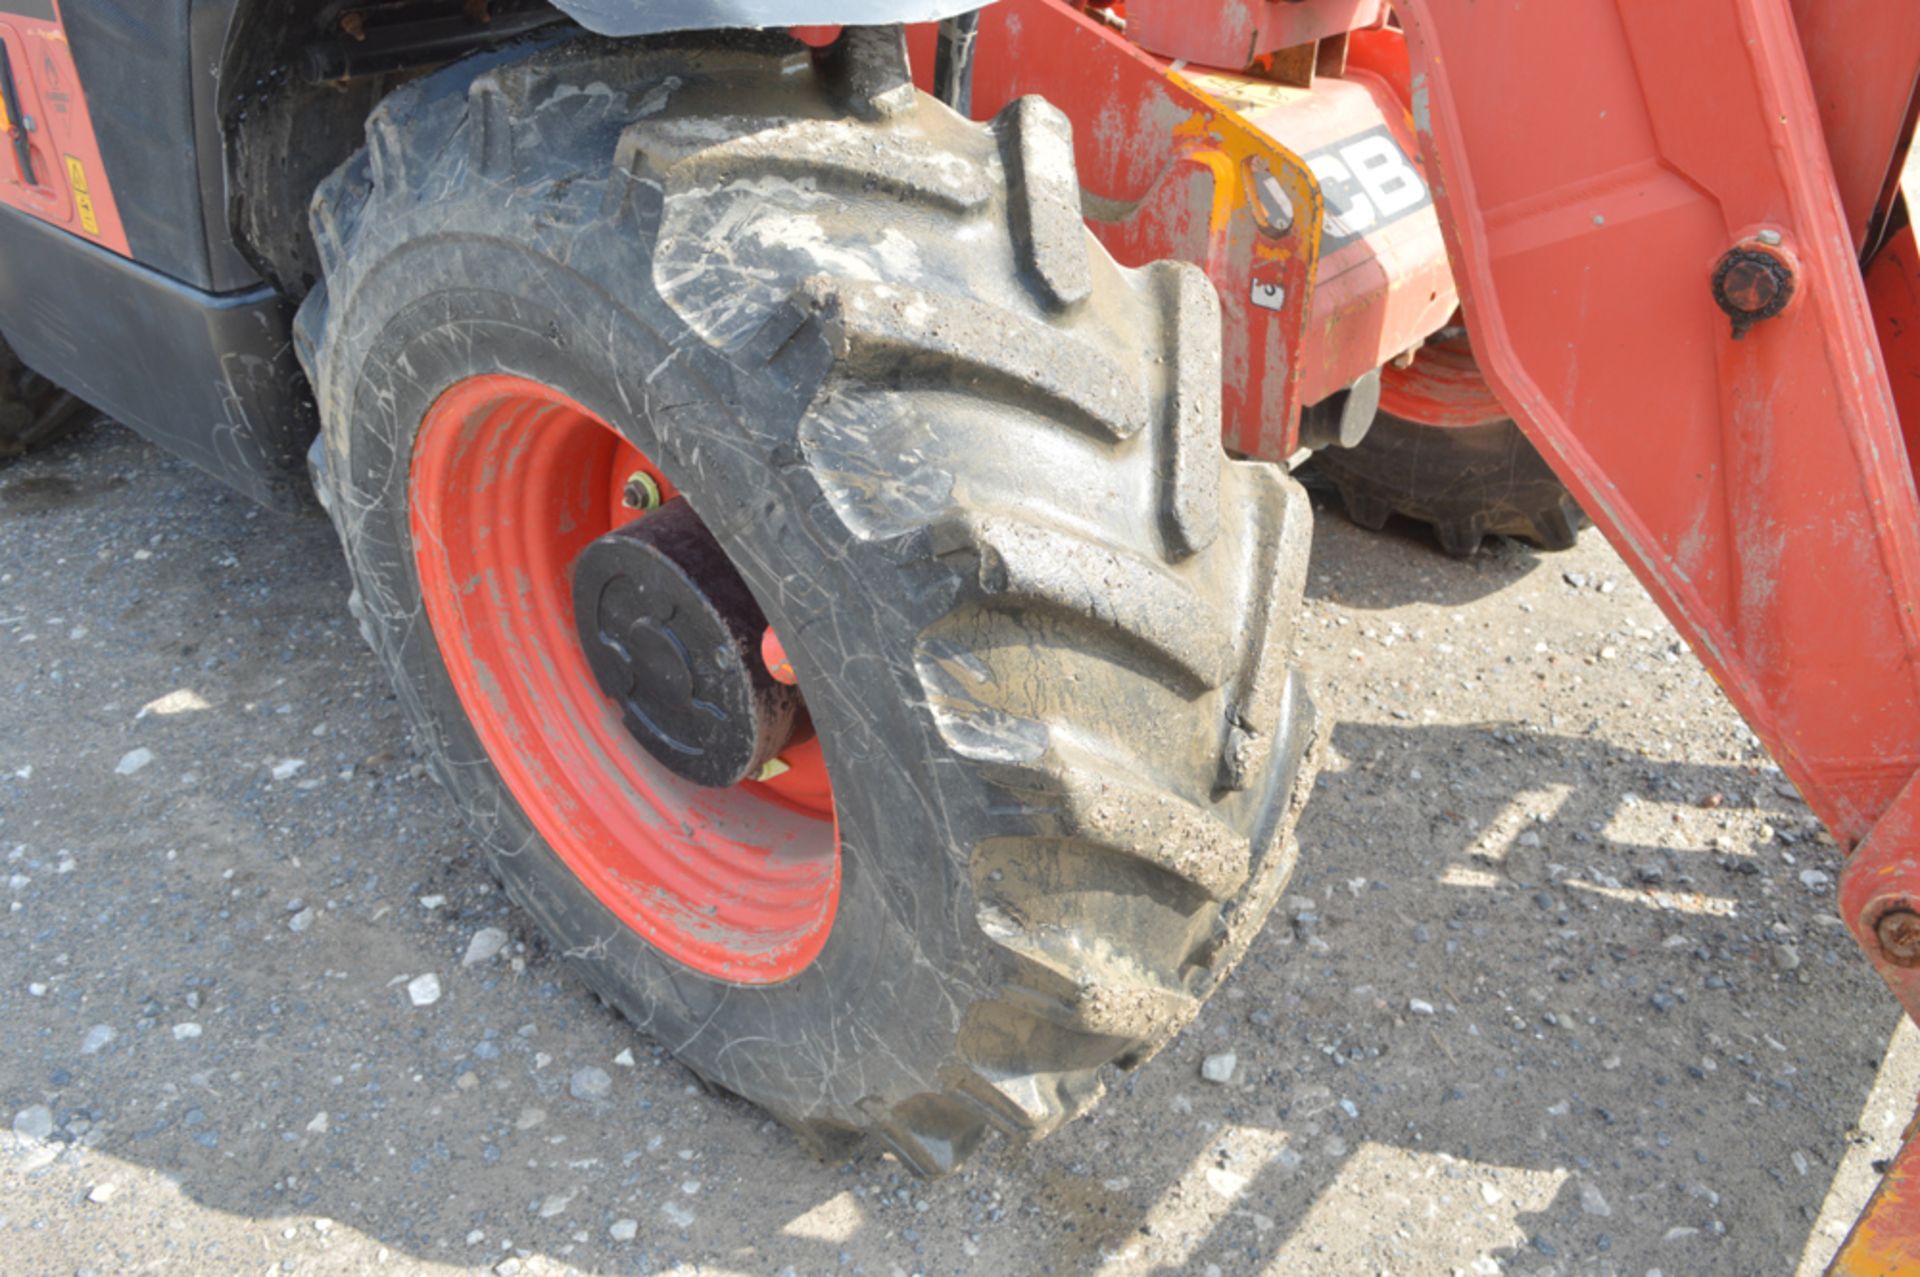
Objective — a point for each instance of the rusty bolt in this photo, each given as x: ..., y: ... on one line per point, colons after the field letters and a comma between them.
x: 1899, y: 934
x: 1751, y: 284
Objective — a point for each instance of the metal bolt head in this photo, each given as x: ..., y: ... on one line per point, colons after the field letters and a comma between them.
x: 640, y: 492
x: 1749, y: 287
x: 1899, y: 933
x: 1752, y: 283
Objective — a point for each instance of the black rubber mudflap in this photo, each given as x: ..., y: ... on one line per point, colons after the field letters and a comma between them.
x: 970, y: 468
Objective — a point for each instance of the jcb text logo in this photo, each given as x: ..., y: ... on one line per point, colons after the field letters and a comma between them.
x: 1368, y: 182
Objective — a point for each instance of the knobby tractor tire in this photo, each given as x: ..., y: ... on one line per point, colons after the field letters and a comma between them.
x: 971, y: 470
x: 1442, y: 450
x: 1469, y: 482
x: 33, y: 411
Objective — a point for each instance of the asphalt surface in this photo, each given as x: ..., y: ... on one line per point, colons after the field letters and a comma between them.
x: 1558, y: 989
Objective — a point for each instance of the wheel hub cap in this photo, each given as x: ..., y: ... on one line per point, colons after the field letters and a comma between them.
x: 673, y: 637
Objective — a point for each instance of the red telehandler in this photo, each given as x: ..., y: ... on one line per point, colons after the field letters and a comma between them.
x: 842, y: 556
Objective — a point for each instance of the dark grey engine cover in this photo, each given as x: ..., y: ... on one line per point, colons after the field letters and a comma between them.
x: 645, y: 17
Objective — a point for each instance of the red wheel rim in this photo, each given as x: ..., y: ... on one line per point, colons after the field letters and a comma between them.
x: 509, y: 481
x: 1443, y: 387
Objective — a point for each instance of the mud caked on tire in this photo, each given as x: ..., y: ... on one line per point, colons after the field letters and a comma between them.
x: 33, y: 410
x: 1443, y: 451
x: 971, y: 471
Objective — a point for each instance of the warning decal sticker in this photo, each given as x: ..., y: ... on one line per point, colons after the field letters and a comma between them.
x: 82, y: 197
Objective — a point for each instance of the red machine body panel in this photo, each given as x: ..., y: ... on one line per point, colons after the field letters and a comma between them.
x: 1232, y: 33
x: 1383, y: 283
x: 50, y: 164
x: 1893, y: 291
x: 1866, y: 86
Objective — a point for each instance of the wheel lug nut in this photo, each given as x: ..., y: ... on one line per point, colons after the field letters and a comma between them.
x: 642, y: 492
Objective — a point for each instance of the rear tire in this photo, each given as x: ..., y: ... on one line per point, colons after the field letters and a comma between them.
x: 33, y: 411
x: 970, y: 469
x: 1468, y: 482
x: 1443, y: 451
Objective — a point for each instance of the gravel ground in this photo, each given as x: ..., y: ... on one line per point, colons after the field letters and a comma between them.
x: 1558, y: 989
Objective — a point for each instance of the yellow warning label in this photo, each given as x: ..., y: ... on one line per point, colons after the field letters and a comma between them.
x: 82, y: 198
